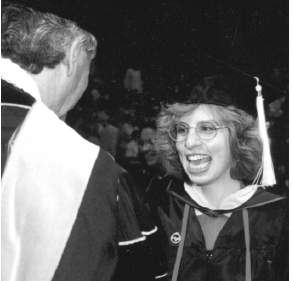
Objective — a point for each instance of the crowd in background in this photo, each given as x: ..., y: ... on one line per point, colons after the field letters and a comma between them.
x: 111, y: 114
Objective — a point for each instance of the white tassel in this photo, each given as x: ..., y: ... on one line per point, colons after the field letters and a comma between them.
x: 267, y: 168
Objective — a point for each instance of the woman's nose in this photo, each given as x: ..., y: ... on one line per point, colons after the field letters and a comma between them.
x: 192, y: 139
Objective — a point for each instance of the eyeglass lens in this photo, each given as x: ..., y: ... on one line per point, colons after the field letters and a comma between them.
x: 205, y: 130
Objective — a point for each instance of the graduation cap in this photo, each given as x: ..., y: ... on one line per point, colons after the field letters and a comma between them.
x: 244, y: 93
x: 225, y: 90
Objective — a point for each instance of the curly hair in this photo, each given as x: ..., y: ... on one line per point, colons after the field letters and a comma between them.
x: 35, y: 40
x: 245, y: 143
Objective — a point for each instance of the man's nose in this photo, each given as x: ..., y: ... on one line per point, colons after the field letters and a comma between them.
x: 145, y: 147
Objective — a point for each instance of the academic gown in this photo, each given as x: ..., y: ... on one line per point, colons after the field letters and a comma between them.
x: 268, y: 237
x: 106, y: 218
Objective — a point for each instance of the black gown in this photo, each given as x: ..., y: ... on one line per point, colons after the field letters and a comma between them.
x: 109, y: 229
x: 269, y: 233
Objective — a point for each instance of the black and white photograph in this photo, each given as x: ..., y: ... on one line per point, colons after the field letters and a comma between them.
x: 145, y: 140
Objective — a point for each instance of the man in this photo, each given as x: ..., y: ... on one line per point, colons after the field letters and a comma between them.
x: 66, y: 205
x: 155, y: 175
x: 147, y: 145
x: 155, y: 183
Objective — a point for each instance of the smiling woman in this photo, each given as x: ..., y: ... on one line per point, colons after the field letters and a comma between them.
x: 214, y: 148
x: 244, y: 140
x: 147, y: 145
x: 204, y: 160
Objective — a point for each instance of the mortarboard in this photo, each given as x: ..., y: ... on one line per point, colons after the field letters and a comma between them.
x: 224, y: 90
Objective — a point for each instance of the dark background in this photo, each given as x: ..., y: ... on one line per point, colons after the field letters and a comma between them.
x: 172, y: 41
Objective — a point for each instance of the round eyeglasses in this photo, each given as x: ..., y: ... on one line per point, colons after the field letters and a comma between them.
x: 204, y: 130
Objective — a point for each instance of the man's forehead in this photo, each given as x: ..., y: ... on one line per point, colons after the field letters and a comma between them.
x: 148, y: 133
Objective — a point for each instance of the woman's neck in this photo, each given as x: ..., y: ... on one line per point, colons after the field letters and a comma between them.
x: 216, y: 192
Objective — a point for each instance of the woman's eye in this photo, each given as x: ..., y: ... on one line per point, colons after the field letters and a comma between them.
x: 207, y: 128
x: 181, y: 130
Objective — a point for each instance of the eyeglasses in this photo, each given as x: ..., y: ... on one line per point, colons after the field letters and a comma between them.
x: 204, y: 130
x: 147, y: 142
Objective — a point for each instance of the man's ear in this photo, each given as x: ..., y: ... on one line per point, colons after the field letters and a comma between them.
x: 71, y: 58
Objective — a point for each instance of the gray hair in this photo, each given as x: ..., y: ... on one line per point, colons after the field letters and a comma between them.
x: 35, y: 40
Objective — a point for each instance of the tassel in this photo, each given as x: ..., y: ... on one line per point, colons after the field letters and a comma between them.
x: 267, y: 168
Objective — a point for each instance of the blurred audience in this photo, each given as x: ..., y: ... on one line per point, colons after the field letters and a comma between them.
x: 122, y: 114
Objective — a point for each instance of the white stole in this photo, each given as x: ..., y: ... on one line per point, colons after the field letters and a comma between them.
x: 43, y: 184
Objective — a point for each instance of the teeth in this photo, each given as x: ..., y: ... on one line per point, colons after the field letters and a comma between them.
x: 196, y: 157
x: 201, y: 166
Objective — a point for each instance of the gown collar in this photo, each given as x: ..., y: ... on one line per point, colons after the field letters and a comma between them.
x: 14, y: 74
x: 232, y: 201
x: 248, y: 197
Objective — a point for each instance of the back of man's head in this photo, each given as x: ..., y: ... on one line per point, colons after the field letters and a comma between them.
x: 35, y: 40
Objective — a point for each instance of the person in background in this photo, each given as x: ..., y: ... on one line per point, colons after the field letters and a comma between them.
x: 127, y: 151
x: 155, y: 177
x: 147, y: 145
x: 109, y: 131
x: 221, y: 222
x: 67, y: 207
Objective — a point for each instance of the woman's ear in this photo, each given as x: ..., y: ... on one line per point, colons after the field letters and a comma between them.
x: 72, y: 55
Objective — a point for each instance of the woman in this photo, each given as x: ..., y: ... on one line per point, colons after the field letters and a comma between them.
x: 219, y: 224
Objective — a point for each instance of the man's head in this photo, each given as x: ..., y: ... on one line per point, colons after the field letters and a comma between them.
x: 147, y: 144
x: 54, y: 51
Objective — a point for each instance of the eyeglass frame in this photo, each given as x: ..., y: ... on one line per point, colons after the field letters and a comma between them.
x: 188, y: 127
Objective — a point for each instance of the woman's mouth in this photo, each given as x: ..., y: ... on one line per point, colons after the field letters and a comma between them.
x: 199, y: 161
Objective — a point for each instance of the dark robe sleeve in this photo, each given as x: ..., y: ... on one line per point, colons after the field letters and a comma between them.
x: 138, y: 258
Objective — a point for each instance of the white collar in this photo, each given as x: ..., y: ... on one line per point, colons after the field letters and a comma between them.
x: 230, y: 202
x: 13, y: 73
